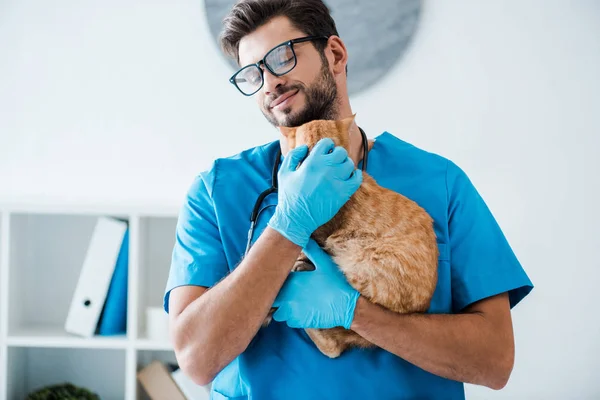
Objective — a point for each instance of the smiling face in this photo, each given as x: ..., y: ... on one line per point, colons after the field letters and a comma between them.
x: 306, y: 93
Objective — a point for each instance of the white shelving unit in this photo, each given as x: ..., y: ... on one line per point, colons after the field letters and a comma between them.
x: 42, y: 248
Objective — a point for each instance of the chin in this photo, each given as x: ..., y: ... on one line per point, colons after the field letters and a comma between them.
x: 280, y: 118
x: 289, y: 117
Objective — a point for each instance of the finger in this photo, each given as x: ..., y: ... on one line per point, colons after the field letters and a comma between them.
x: 344, y: 171
x: 356, y: 179
x: 319, y: 257
x: 280, y: 300
x: 313, y: 250
x: 284, y: 293
x: 282, y: 314
x: 338, y: 155
x: 323, y: 146
x: 294, y: 157
x: 296, y: 282
x: 293, y: 323
x: 287, y: 314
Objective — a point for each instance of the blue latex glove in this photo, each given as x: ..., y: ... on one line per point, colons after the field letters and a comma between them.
x: 309, y: 196
x: 322, y: 298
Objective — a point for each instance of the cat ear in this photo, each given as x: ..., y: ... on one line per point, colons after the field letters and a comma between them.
x: 287, y: 131
x: 345, y: 123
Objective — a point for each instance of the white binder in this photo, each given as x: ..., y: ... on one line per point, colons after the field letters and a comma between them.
x: 96, y: 274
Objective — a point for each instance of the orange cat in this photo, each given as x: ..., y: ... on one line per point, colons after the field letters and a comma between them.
x: 383, y: 242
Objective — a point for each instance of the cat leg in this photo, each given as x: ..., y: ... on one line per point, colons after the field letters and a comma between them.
x: 326, y: 342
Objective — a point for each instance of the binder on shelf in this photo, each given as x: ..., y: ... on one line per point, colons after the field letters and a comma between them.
x: 113, y: 319
x: 95, y: 277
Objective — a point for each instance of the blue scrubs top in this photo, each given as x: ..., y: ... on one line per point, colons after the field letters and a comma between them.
x: 475, y: 262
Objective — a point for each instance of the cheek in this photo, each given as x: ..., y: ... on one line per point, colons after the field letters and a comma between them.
x: 312, y: 76
x: 260, y: 99
x: 303, y: 77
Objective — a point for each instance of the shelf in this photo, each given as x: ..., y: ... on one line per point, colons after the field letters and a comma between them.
x: 57, y: 337
x: 156, y: 241
x: 100, y: 371
x: 46, y: 256
x: 30, y: 205
x: 149, y: 344
x: 4, y: 256
x: 42, y: 249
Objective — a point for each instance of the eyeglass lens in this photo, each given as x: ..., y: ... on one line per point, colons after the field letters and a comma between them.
x: 280, y: 60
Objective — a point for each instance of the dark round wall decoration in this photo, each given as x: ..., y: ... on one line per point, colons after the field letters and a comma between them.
x: 376, y: 33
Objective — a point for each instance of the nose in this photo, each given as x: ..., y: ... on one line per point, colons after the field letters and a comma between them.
x: 272, y: 82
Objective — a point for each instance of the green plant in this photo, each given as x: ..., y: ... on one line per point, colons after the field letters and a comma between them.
x: 64, y: 391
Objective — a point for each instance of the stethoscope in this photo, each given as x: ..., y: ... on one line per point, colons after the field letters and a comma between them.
x: 256, y: 210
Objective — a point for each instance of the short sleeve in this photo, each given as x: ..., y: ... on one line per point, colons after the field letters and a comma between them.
x: 198, y: 257
x: 483, y: 263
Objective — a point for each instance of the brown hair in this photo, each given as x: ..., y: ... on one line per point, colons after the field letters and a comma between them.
x: 309, y: 16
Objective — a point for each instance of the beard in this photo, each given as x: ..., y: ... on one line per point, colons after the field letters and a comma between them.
x: 321, y: 101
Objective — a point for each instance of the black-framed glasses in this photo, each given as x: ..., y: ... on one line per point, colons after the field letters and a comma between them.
x: 279, y: 61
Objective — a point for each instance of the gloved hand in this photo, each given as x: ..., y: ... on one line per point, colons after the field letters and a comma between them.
x: 322, y: 298
x: 311, y: 195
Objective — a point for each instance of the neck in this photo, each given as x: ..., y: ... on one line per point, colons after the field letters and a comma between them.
x: 356, y: 146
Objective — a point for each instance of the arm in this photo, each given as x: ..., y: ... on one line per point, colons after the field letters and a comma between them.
x: 211, y: 327
x: 476, y: 346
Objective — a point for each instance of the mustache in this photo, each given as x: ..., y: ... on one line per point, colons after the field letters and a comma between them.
x: 280, y: 91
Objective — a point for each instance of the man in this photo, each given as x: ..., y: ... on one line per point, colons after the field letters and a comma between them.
x: 218, y: 295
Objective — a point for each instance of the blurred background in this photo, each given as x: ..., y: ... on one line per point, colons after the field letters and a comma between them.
x: 119, y: 104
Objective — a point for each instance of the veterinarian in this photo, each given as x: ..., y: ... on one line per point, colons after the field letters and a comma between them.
x: 228, y: 270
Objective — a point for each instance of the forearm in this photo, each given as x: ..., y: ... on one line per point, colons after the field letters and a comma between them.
x: 219, y: 325
x: 462, y: 347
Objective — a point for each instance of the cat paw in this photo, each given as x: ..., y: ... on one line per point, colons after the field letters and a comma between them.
x: 325, y: 340
x: 303, y: 265
x: 332, y: 353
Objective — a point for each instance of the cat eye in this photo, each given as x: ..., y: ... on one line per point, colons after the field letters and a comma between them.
x: 279, y: 61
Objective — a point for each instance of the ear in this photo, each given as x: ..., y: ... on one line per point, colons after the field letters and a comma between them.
x: 287, y: 131
x: 344, y: 124
x: 339, y: 53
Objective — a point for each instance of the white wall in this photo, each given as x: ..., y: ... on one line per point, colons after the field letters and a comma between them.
x: 124, y: 101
